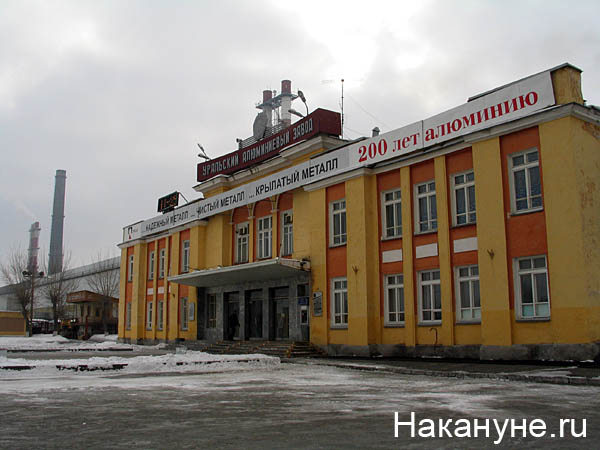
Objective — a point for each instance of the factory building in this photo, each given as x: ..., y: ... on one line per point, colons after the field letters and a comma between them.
x: 473, y: 233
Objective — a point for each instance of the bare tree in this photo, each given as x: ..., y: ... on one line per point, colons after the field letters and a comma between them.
x: 56, y: 287
x: 105, y: 282
x: 12, y: 274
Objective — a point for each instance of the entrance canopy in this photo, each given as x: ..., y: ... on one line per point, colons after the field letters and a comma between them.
x: 255, y: 271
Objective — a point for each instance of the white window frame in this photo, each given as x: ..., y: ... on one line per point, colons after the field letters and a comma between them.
x: 161, y: 262
x: 130, y: 269
x: 531, y: 272
x: 472, y: 279
x: 339, y: 319
x: 430, y: 285
x: 338, y: 208
x: 184, y: 313
x: 395, y: 283
x: 151, y: 266
x: 396, y: 204
x: 185, y: 256
x: 149, y: 315
x: 287, y: 233
x: 470, y: 215
x: 128, y: 316
x: 242, y: 242
x: 429, y: 195
x: 160, y: 315
x: 264, y: 237
x: 526, y: 166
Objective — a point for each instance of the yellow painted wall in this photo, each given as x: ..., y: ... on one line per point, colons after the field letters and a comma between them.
x: 122, y: 285
x: 446, y: 334
x: 319, y: 326
x: 408, y: 258
x: 138, y: 304
x: 362, y: 261
x: 491, y: 252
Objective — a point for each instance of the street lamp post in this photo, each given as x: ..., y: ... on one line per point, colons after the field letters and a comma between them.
x: 32, y: 275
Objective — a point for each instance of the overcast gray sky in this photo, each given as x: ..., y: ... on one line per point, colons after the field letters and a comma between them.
x: 118, y: 93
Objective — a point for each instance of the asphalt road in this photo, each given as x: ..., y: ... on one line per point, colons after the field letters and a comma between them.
x: 293, y: 407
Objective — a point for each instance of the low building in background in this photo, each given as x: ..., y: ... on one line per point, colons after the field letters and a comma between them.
x: 472, y: 233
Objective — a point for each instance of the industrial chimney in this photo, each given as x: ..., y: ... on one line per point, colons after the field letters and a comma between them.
x: 55, y: 257
x: 34, y: 246
x: 286, y: 102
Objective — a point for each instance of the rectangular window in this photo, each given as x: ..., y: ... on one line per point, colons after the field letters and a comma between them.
x: 159, y: 319
x: 525, y: 181
x: 149, y: 316
x: 394, y: 299
x: 339, y: 296
x: 211, y: 301
x: 130, y: 269
x: 128, y: 316
x: 464, y: 198
x: 151, y: 266
x: 337, y: 219
x: 287, y: 233
x: 185, y: 257
x: 161, y: 263
x: 183, y: 313
x: 468, y: 303
x: 531, y: 288
x: 241, y: 242
x: 426, y: 207
x: 430, y: 296
x: 392, y: 213
x: 264, y: 238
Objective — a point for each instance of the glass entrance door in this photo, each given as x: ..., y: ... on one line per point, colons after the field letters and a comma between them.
x: 232, y: 319
x: 254, y: 308
x: 281, y: 313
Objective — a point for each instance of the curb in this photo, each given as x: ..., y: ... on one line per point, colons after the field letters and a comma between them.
x: 575, y: 381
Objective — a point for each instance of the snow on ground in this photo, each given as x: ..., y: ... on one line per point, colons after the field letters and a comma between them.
x: 48, y: 342
x: 189, y: 361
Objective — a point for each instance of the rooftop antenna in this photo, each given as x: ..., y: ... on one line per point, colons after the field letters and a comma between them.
x: 342, y: 108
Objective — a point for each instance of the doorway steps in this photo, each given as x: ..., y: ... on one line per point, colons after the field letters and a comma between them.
x: 282, y: 349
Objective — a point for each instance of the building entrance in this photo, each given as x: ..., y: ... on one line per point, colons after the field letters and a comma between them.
x: 280, y: 312
x: 254, y: 314
x: 232, y: 317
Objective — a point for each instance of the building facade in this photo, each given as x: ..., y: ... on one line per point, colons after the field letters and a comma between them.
x: 473, y: 233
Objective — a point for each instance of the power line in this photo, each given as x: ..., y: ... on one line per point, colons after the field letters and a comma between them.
x: 367, y: 112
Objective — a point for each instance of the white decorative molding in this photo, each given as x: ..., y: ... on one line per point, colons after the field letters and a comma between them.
x: 425, y: 251
x: 161, y: 290
x: 465, y: 245
x: 150, y: 291
x: 392, y: 256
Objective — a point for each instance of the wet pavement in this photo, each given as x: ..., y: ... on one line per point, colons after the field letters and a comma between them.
x: 296, y: 406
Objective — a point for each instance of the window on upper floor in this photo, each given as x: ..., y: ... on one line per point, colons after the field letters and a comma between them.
x: 526, y: 186
x: 151, y: 266
x: 287, y: 233
x: 426, y: 208
x: 264, y: 237
x: 185, y: 256
x: 241, y: 242
x: 463, y: 198
x: 161, y: 263
x: 130, y: 269
x: 337, y: 222
x: 391, y: 208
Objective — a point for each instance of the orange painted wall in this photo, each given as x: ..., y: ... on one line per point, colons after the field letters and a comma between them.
x: 336, y: 256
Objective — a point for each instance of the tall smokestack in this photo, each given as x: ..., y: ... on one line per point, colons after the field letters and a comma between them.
x: 286, y: 102
x: 34, y: 246
x: 55, y: 257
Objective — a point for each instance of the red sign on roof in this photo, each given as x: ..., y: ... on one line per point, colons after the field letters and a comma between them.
x: 321, y: 121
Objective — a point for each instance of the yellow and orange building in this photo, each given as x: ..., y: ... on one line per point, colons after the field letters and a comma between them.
x: 474, y: 233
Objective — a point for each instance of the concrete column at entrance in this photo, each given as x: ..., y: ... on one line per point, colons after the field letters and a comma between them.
x: 221, y: 319
x: 266, y: 312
